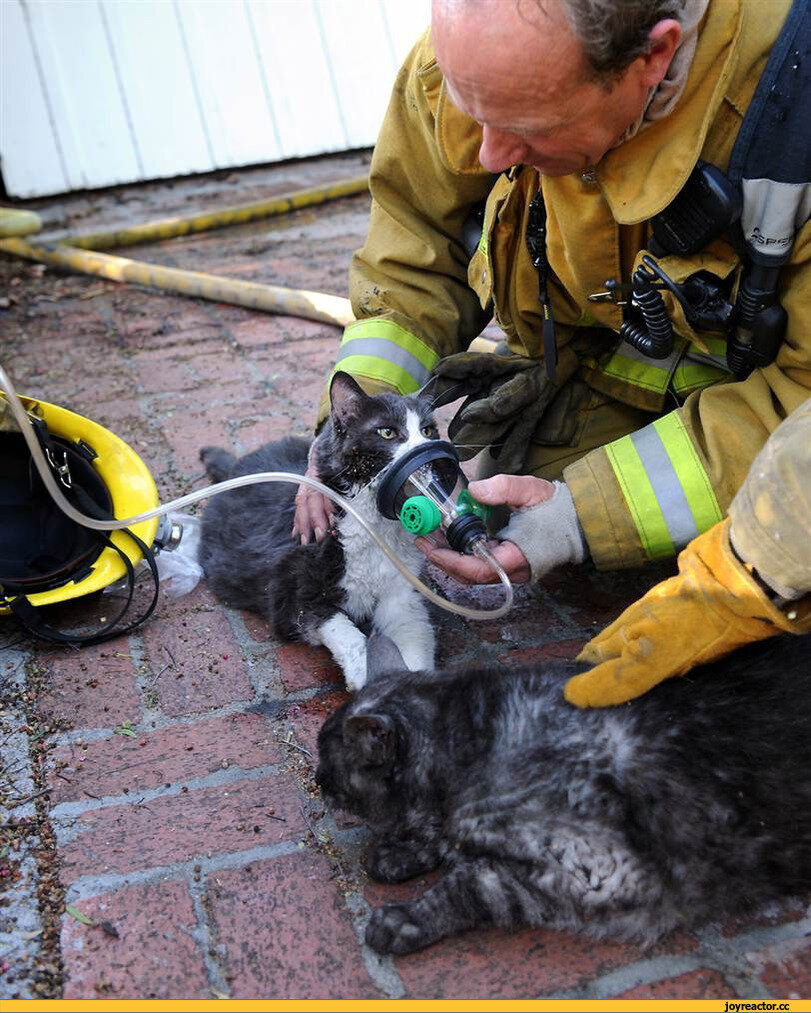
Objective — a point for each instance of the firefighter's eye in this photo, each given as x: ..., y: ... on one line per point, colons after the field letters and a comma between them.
x: 387, y: 432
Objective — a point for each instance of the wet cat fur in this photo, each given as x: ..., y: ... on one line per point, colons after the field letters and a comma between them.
x: 321, y: 591
x: 686, y: 804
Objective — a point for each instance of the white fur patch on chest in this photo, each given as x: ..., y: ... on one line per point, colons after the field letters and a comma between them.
x: 369, y: 577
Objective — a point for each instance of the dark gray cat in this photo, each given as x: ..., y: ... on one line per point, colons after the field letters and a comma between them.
x: 320, y: 592
x: 686, y: 804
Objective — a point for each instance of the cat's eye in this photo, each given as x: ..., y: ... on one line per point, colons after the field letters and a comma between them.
x: 429, y: 431
x: 387, y: 432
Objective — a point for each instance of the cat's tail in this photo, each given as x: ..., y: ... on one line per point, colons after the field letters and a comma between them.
x: 218, y: 463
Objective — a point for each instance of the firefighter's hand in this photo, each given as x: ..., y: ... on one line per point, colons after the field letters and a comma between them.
x: 520, y: 492
x: 471, y: 569
x: 711, y: 607
x: 313, y: 517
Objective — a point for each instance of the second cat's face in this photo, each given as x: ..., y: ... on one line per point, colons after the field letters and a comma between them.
x: 370, y: 431
x: 357, y: 757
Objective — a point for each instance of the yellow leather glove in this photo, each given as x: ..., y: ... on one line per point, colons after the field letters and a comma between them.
x: 711, y: 607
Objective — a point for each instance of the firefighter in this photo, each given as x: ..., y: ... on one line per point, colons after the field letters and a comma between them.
x: 595, y: 113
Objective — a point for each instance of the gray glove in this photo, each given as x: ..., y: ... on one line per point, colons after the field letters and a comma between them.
x: 548, y: 533
x: 506, y: 397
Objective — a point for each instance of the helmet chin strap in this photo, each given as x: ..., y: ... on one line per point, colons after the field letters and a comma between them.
x: 480, y: 548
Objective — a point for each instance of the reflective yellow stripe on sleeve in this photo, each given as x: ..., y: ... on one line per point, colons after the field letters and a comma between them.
x: 665, y: 485
x: 383, y: 350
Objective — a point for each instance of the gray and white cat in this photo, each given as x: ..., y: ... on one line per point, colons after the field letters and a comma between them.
x: 322, y: 593
x: 686, y: 804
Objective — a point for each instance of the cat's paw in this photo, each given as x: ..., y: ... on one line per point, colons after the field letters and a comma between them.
x: 392, y: 929
x: 355, y: 677
x: 392, y: 863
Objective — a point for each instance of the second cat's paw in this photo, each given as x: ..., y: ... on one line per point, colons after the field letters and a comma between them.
x: 391, y: 929
x: 392, y: 863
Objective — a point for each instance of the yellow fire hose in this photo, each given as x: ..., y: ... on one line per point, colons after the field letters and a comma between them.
x: 330, y: 309
x: 239, y: 214
x: 78, y: 254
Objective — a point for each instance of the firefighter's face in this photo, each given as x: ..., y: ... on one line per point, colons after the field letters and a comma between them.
x: 518, y: 70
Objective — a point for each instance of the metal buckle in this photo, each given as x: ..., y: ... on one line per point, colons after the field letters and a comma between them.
x: 613, y: 290
x: 63, y: 469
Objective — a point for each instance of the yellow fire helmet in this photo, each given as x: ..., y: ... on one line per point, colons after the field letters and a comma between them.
x: 45, y: 557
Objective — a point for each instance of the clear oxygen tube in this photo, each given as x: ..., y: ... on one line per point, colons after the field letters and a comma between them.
x: 479, y: 548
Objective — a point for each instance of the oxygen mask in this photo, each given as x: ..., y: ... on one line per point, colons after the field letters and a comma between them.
x: 425, y: 489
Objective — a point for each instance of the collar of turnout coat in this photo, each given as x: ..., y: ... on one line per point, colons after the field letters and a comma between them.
x: 643, y: 175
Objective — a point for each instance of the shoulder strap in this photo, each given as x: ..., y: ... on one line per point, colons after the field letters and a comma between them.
x: 771, y: 159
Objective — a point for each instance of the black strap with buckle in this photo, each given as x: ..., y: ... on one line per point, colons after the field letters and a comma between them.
x: 536, y: 244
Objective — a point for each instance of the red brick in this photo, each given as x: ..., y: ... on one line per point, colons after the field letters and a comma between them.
x: 254, y: 433
x: 163, y: 375
x: 258, y: 330
x: 177, y: 828
x: 457, y: 647
x: 565, y: 650
x: 701, y: 984
x: 154, y: 955
x: 522, y: 965
x: 791, y: 909
x: 178, y: 753
x: 784, y: 968
x: 194, y: 424
x: 258, y: 629
x: 91, y: 688
x: 303, y: 666
x: 206, y: 667
x: 376, y: 894
x: 221, y: 365
x: 308, y: 717
x: 286, y: 932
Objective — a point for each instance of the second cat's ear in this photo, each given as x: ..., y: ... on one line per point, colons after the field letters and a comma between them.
x: 371, y: 739
x: 382, y: 656
x: 346, y: 397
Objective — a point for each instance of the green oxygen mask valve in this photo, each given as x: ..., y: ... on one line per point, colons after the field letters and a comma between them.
x: 419, y: 515
x: 426, y: 489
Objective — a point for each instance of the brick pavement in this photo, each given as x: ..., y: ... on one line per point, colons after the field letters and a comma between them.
x: 197, y: 853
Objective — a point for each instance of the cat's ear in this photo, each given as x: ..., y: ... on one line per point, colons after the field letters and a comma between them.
x: 346, y: 397
x: 371, y: 739
x: 382, y: 656
x: 438, y: 391
x: 428, y: 392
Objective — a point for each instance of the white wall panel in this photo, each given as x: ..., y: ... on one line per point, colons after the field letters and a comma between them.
x: 97, y: 92
x: 297, y: 76
x: 89, y: 114
x: 222, y: 52
x: 25, y: 124
x: 406, y: 22
x: 164, y: 116
x: 362, y: 64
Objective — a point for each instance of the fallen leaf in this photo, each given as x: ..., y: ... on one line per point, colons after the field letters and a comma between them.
x: 77, y: 914
x: 125, y: 728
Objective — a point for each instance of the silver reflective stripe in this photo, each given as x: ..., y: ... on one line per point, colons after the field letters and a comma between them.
x: 666, y: 486
x: 772, y: 213
x: 627, y: 351
x: 382, y: 349
x: 703, y: 359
